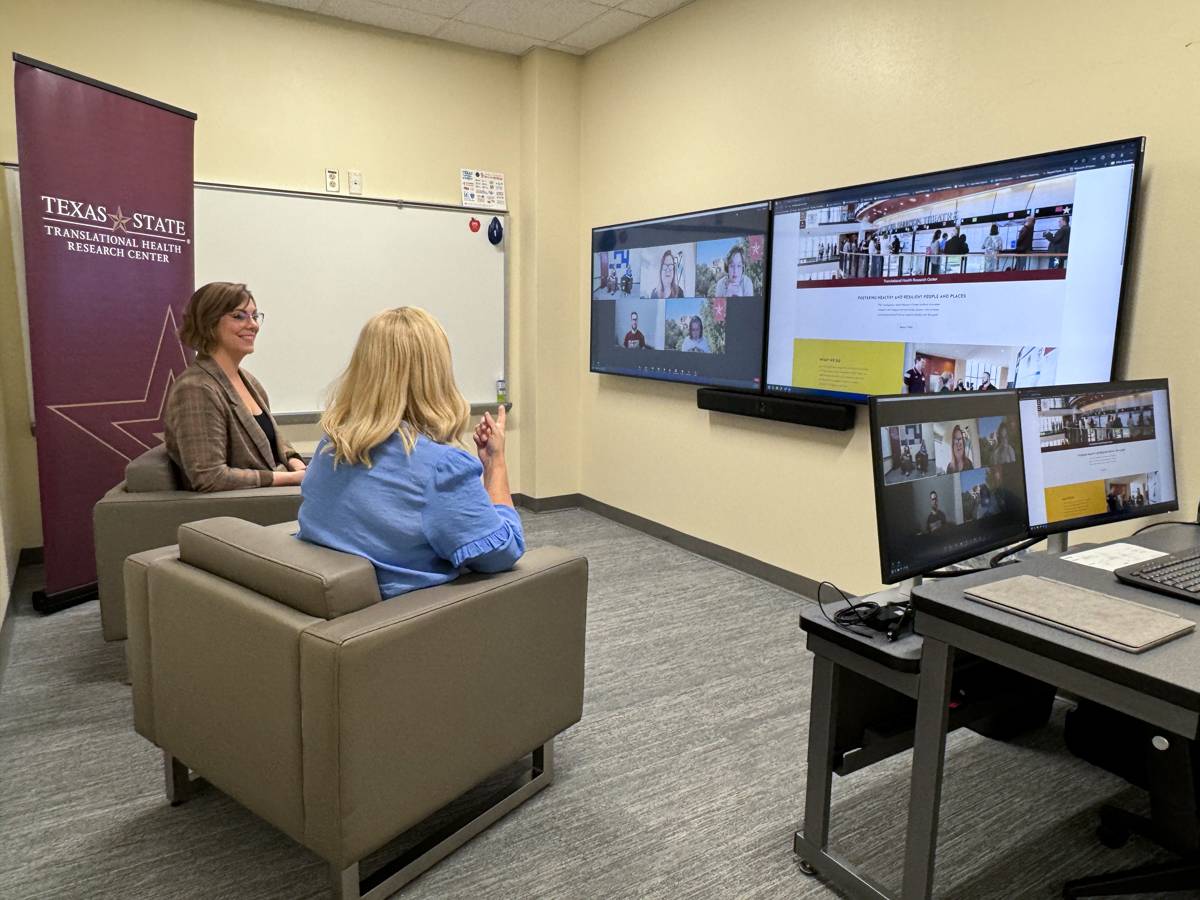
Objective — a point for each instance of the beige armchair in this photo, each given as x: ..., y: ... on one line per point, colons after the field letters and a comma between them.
x: 143, y: 512
x: 272, y: 669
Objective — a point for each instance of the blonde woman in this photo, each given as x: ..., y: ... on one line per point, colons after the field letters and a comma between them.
x: 388, y: 482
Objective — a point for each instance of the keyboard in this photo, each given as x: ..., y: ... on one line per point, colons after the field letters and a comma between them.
x: 1177, y: 575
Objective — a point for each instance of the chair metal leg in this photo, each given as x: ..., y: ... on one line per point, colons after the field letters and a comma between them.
x: 348, y: 885
x: 177, y: 780
x: 345, y: 882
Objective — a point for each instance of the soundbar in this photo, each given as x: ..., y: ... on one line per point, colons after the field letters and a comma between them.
x: 818, y: 413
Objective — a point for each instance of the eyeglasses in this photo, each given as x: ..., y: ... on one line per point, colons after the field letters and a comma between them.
x: 241, y: 316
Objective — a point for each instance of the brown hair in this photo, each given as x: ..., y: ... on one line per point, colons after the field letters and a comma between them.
x: 205, y: 309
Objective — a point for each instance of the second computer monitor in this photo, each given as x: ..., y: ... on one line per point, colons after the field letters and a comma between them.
x: 948, y: 479
x: 1097, y: 453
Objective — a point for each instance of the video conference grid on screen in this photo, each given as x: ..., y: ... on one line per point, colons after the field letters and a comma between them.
x: 1097, y: 453
x: 682, y: 298
x: 949, y: 482
x: 994, y: 276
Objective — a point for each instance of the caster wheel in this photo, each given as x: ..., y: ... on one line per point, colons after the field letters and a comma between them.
x: 806, y: 868
x: 1113, y: 838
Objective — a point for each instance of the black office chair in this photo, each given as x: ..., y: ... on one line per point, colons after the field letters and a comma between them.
x: 1165, y: 765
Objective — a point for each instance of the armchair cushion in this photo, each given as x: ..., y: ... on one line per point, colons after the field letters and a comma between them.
x: 313, y: 580
x: 152, y: 471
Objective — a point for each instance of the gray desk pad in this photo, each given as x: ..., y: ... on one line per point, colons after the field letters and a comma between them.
x: 1170, y: 671
x: 1117, y: 622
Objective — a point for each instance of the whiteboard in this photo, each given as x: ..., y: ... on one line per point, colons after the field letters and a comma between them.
x: 319, y: 267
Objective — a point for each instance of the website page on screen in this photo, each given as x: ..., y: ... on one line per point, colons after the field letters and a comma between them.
x: 989, y: 277
x: 1097, y: 452
x: 682, y: 299
x: 949, y: 481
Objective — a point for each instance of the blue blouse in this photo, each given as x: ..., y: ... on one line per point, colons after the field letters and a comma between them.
x: 418, y: 518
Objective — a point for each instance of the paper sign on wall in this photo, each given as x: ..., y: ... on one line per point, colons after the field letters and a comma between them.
x: 486, y: 189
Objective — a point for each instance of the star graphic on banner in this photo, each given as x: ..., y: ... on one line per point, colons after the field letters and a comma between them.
x: 119, y: 220
x: 131, y: 427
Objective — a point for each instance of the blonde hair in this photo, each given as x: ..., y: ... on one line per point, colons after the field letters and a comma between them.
x: 400, y: 380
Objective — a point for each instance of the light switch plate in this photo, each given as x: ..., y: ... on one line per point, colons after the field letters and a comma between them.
x: 354, y: 182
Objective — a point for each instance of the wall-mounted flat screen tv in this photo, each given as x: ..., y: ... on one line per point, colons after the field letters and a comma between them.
x: 682, y: 298
x: 1004, y: 275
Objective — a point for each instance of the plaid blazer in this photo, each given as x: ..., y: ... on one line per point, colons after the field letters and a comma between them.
x: 211, y: 435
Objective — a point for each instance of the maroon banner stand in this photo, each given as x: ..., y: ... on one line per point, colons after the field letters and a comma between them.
x: 106, y: 210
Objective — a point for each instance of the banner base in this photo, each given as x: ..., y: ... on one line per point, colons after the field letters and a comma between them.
x: 51, y: 603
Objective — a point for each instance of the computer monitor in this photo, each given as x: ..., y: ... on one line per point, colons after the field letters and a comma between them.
x: 949, y: 483
x: 682, y: 298
x: 1096, y: 453
x: 1008, y: 274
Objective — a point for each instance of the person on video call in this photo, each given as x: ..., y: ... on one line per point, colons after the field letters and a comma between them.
x: 960, y: 459
x: 633, y: 337
x: 695, y: 342
x: 923, y: 458
x: 985, y: 383
x: 1003, y: 452
x: 936, y: 518
x: 1025, y: 243
x: 914, y: 378
x: 992, y: 245
x: 668, y: 286
x: 949, y: 384
x: 735, y: 282
x: 1058, y: 242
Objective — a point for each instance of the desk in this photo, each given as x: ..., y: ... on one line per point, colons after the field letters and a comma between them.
x: 1160, y: 686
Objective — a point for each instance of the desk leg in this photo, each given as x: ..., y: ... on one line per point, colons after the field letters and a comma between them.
x: 929, y: 750
x: 821, y: 716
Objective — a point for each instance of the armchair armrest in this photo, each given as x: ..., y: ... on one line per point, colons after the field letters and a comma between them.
x: 409, y: 703
x: 130, y: 522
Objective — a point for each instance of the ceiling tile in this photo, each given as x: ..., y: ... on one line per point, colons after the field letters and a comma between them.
x: 547, y: 20
x: 487, y: 38
x: 608, y: 27
x: 566, y: 48
x: 371, y: 13
x: 447, y: 9
x: 306, y: 5
x: 653, y: 8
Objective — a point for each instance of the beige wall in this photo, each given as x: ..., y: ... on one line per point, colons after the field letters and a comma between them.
x: 728, y: 102
x: 547, y: 321
x: 280, y: 96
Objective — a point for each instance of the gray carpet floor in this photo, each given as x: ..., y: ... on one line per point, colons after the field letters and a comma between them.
x: 685, y: 777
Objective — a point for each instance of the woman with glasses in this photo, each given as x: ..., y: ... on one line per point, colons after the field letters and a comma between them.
x: 668, y: 278
x: 391, y: 481
x: 219, y: 429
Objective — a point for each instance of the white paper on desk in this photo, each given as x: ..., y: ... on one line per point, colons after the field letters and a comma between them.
x: 1113, y: 556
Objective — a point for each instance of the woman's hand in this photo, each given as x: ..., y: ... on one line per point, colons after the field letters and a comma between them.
x: 296, y: 464
x: 285, y: 479
x: 489, y: 437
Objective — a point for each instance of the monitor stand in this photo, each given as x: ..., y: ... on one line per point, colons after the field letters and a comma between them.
x: 1057, y: 543
x: 901, y: 592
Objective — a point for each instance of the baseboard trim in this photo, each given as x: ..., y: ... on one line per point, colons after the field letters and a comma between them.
x: 791, y: 581
x: 549, y: 504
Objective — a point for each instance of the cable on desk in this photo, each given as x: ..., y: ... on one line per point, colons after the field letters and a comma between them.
x: 1009, y: 551
x: 855, y: 614
x: 1166, y: 522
